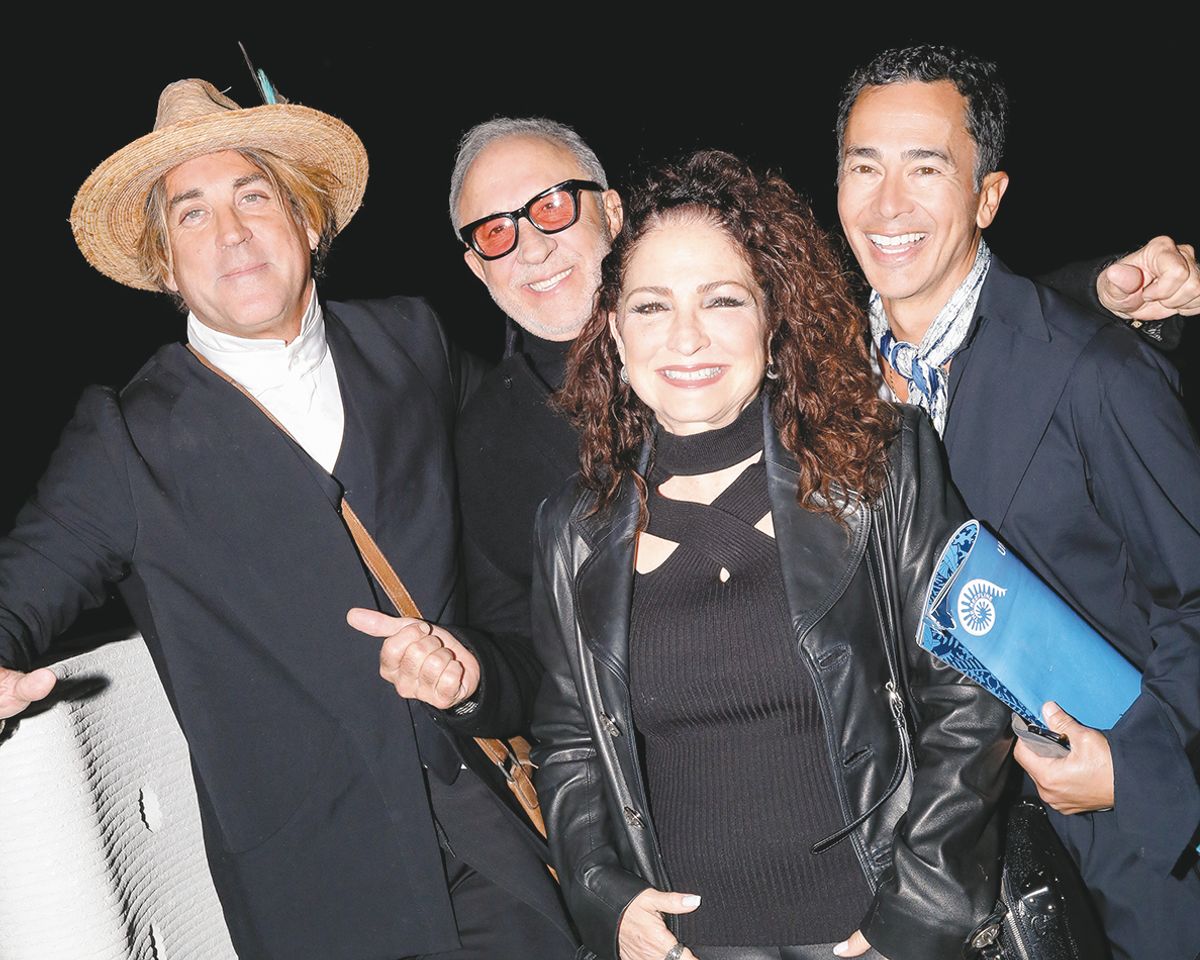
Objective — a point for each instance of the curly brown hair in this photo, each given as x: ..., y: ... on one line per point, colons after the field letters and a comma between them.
x: 824, y: 402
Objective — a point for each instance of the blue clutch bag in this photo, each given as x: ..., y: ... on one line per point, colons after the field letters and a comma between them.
x: 990, y: 617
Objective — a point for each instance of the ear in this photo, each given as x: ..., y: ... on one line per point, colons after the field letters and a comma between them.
x: 990, y: 193
x: 314, y: 238
x: 475, y: 264
x: 614, y: 212
x: 616, y: 335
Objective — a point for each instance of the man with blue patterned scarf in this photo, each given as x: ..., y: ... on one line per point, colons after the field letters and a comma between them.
x: 1066, y: 437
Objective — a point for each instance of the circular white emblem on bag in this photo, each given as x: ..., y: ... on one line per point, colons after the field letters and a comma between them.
x: 976, y: 611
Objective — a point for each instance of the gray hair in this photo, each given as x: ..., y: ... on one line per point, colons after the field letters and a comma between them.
x: 483, y: 135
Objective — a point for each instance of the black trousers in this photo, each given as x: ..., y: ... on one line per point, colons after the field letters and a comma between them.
x: 493, y: 925
x: 506, y: 905
x: 1146, y: 913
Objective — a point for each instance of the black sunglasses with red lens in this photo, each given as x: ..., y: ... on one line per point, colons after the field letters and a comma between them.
x: 553, y: 210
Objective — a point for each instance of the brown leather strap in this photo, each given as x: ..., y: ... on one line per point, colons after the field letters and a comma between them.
x: 378, y: 564
x: 512, y: 757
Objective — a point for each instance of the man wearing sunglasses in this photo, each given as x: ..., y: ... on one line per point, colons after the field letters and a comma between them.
x: 531, y: 204
x: 540, y: 271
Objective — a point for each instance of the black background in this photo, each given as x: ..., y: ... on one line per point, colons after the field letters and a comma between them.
x: 1102, y: 154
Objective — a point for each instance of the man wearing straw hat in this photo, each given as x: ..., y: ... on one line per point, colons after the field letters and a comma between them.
x: 339, y: 819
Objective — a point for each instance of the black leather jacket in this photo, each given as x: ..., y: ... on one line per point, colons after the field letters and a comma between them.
x: 930, y: 852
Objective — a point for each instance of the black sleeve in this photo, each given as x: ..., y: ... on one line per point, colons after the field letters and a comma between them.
x: 1077, y: 281
x: 466, y: 370
x: 73, y: 537
x: 1143, y: 468
x: 499, y: 636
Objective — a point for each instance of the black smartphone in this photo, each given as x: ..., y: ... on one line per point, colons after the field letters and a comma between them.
x: 1043, y: 742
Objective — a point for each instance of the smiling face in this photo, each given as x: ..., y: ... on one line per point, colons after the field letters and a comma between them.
x: 547, y: 284
x: 690, y: 326
x: 238, y: 259
x: 907, y: 196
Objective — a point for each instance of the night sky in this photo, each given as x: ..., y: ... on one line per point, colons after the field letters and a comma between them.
x: 1102, y: 155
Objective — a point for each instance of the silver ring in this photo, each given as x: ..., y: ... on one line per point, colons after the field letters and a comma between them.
x: 675, y: 952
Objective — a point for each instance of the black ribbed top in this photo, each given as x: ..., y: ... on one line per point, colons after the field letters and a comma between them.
x: 737, y: 766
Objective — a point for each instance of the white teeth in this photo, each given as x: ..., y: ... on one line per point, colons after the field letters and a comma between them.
x: 881, y: 240
x: 704, y: 373
x: 543, y: 285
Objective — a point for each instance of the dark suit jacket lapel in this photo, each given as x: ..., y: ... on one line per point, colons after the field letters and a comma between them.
x: 365, y: 406
x: 1009, y: 371
x: 242, y: 418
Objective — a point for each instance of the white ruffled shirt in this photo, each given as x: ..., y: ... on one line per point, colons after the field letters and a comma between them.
x: 296, y: 381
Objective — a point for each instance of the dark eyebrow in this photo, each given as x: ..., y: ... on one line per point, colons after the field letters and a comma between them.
x: 927, y: 153
x: 248, y: 178
x: 713, y: 285
x: 914, y: 153
x: 195, y: 193
x: 192, y: 194
x: 660, y: 291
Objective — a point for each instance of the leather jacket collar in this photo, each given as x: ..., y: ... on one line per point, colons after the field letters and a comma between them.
x: 604, y: 586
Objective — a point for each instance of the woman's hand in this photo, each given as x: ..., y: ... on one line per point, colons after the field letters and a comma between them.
x: 643, y: 935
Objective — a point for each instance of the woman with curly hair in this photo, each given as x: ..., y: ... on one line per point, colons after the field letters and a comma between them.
x: 737, y: 758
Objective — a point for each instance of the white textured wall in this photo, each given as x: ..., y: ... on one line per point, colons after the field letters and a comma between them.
x: 101, y: 856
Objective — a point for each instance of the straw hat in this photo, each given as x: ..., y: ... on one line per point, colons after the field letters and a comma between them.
x: 194, y: 118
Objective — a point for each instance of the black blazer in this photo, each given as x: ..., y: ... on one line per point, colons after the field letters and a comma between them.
x: 1066, y: 437
x: 226, y: 541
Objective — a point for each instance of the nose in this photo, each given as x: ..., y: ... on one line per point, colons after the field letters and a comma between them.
x: 687, y: 335
x: 231, y: 228
x: 892, y: 198
x: 533, y: 246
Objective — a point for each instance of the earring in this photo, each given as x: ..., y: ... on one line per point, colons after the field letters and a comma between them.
x: 772, y: 370
x: 623, y: 374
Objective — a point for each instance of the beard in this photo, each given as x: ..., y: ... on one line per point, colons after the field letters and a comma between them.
x: 569, y: 319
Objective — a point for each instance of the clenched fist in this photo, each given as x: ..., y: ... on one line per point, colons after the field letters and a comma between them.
x: 1153, y: 283
x: 421, y: 660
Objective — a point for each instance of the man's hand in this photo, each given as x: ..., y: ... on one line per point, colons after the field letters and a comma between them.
x: 1153, y: 283
x: 1080, y: 782
x: 642, y: 933
x: 18, y: 690
x: 422, y: 661
x: 855, y: 946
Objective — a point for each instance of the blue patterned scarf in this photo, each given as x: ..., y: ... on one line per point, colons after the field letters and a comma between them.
x: 921, y: 365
